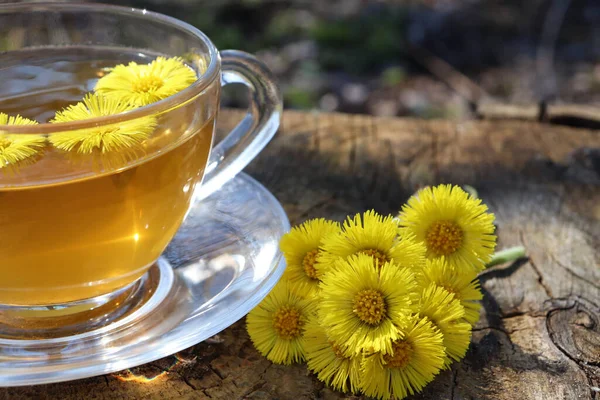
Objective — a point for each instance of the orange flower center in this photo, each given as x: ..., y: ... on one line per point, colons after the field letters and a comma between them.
x: 337, y: 350
x: 4, y: 142
x: 287, y: 322
x: 309, y: 263
x: 147, y: 83
x: 369, y: 306
x: 450, y: 290
x: 444, y: 238
x: 379, y: 257
x: 400, y: 358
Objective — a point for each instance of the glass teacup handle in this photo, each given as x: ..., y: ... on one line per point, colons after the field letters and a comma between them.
x: 257, y: 127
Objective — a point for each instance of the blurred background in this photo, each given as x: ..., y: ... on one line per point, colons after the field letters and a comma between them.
x: 423, y: 58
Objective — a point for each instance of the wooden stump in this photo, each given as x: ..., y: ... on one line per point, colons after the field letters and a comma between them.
x: 539, y: 333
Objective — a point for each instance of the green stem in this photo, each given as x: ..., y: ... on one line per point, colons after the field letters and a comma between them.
x: 507, y: 255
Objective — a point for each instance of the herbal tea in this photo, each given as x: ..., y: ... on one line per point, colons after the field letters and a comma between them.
x: 75, y: 225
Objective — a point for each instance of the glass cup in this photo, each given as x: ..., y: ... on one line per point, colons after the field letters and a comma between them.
x: 81, y: 226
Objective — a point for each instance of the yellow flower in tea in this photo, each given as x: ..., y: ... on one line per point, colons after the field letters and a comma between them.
x: 462, y: 282
x: 276, y: 326
x: 328, y: 361
x: 375, y: 236
x: 413, y: 362
x: 446, y: 313
x: 451, y: 224
x: 142, y: 84
x: 361, y: 306
x: 126, y: 135
x: 18, y: 147
x: 301, y: 249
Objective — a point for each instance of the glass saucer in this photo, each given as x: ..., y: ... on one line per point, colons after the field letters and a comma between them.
x: 223, y: 261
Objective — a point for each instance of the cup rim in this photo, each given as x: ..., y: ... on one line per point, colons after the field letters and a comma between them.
x: 186, y: 94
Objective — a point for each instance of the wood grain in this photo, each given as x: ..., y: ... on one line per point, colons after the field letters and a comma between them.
x: 539, y: 333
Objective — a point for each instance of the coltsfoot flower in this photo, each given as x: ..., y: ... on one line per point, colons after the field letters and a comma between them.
x: 276, y: 326
x: 362, y: 307
x: 127, y: 135
x: 329, y: 362
x: 15, y: 148
x: 142, y: 84
x: 373, y: 235
x: 413, y: 362
x: 451, y: 224
x: 446, y: 313
x: 462, y: 282
x: 301, y: 249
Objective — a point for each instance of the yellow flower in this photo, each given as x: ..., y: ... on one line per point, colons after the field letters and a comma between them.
x: 301, y: 249
x: 6, y: 119
x: 126, y: 135
x: 463, y: 283
x: 446, y: 313
x: 276, y: 326
x: 414, y: 361
x: 452, y: 224
x: 362, y: 307
x: 142, y: 84
x: 375, y: 236
x: 328, y: 361
x: 18, y: 147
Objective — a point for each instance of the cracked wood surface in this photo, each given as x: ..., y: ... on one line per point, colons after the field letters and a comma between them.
x: 539, y: 333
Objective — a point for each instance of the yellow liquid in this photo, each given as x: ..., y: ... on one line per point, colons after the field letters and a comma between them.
x: 75, y: 239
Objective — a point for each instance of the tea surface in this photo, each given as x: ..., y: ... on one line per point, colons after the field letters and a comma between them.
x: 74, y: 227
